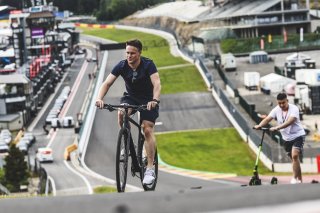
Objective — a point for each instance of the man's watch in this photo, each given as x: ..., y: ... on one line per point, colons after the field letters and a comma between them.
x: 155, y: 100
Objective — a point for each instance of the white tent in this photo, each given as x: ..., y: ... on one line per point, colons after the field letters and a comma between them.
x: 275, y: 83
x: 298, y: 57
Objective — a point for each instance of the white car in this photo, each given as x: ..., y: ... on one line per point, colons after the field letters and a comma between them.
x: 6, y: 132
x: 4, y: 148
x: 6, y: 137
x: 30, y: 137
x: 49, y: 118
x: 23, y: 147
x: 44, y: 154
x: 68, y: 121
x: 25, y: 141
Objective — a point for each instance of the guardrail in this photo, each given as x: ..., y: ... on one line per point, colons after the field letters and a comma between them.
x: 240, y: 122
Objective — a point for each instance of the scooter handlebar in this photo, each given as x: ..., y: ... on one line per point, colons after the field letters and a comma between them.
x: 261, y: 128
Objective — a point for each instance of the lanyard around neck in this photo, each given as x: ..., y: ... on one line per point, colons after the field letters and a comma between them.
x: 284, y: 116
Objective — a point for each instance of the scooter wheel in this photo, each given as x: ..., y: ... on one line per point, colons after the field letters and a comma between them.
x: 255, y: 181
x: 274, y: 180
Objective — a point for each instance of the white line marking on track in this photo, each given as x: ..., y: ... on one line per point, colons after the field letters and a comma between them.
x: 54, y: 189
x: 81, y: 176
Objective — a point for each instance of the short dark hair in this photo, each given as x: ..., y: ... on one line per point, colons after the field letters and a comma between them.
x: 135, y: 43
x: 281, y: 96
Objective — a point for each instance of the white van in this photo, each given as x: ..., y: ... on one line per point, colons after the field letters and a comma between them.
x: 228, y: 62
x: 68, y: 121
x: 55, y: 123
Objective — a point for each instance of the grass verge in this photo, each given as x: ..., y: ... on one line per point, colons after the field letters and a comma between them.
x: 184, y: 79
x: 155, y: 47
x: 104, y: 189
x: 213, y: 150
x: 175, y: 80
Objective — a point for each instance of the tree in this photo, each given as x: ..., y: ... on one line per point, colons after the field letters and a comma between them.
x: 15, y: 170
x: 117, y: 9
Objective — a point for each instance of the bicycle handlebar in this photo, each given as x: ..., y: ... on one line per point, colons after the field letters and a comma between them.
x: 111, y: 107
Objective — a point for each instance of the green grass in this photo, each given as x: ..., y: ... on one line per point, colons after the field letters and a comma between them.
x: 214, y: 150
x: 155, y: 47
x: 184, y: 79
x: 104, y: 189
x: 175, y: 80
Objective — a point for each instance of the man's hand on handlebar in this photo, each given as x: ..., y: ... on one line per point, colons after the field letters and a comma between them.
x: 99, y: 103
x: 274, y: 128
x: 152, y: 104
x: 257, y: 127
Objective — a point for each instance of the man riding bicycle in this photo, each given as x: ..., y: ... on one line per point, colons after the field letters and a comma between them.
x: 143, y: 86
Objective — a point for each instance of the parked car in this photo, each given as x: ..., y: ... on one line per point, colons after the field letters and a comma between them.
x: 68, y: 121
x: 30, y: 137
x: 55, y: 123
x: 6, y: 131
x: 91, y: 59
x: 44, y: 154
x: 6, y: 136
x: 4, y: 148
x: 79, y: 51
x: 49, y: 118
x: 23, y: 147
x: 25, y: 141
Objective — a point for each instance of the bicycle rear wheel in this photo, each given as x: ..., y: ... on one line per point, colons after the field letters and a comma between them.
x: 144, y: 167
x: 122, y: 156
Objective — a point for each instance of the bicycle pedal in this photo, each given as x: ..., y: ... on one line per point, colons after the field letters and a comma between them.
x: 134, y: 170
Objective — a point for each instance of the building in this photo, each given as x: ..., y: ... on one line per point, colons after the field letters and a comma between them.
x: 37, y: 52
x: 16, y: 100
x: 254, y: 18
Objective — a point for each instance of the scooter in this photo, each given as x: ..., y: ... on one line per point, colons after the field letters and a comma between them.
x: 255, y: 180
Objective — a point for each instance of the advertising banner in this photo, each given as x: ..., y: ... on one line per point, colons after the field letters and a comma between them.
x: 37, y: 32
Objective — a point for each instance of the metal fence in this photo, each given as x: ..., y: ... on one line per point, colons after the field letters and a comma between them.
x: 270, y: 149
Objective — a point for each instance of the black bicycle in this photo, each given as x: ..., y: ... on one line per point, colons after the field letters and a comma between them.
x: 126, y: 148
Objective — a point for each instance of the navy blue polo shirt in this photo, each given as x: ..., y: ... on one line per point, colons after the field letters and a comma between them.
x: 140, y: 85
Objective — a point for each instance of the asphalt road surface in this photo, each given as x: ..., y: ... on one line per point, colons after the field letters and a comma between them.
x: 301, y: 198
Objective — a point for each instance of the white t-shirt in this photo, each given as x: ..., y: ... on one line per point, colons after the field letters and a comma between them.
x: 294, y: 130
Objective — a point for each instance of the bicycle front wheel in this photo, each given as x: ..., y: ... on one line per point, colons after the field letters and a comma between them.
x: 122, y: 156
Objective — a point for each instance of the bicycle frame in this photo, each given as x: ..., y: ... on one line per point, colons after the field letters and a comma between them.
x: 134, y: 155
x: 126, y: 148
